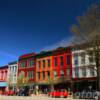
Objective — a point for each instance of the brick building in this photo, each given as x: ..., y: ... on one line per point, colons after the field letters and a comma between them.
x: 26, y: 65
x: 44, y: 72
x: 54, y: 67
x: 3, y: 78
x: 62, y: 67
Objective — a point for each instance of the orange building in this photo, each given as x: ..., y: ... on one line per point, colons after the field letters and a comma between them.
x: 54, y: 67
x: 44, y: 72
x: 43, y: 67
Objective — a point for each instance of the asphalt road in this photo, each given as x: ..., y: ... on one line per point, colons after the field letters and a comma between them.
x: 32, y: 98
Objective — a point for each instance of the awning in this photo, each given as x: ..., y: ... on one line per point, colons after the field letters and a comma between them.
x: 3, y: 84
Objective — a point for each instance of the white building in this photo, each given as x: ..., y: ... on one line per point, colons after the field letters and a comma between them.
x: 12, y: 74
x: 83, y: 67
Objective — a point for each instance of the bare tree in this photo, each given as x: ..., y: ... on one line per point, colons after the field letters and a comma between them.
x: 22, y: 80
x: 87, y: 30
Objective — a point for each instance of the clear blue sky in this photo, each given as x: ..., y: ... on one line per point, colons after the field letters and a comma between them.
x: 31, y: 25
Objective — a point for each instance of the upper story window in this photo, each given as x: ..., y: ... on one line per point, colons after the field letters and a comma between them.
x: 38, y: 75
x: 75, y: 57
x: 43, y: 75
x: 55, y: 73
x: 91, y: 57
x: 82, y: 58
x: 76, y: 72
x: 15, y: 69
x: 31, y: 63
x: 10, y: 69
x: 30, y: 74
x: 68, y: 71
x: 43, y: 63
x: 22, y: 64
x: 48, y: 62
x: 61, y: 61
x: 39, y: 64
x: 61, y: 73
x: 48, y: 73
x: 68, y: 60
x: 83, y: 72
x: 92, y: 72
x: 55, y: 62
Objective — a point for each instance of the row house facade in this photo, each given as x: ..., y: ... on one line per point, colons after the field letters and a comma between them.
x: 26, y: 65
x: 12, y: 74
x: 54, y: 67
x: 83, y: 69
x: 3, y: 78
x: 62, y: 67
x: 44, y: 71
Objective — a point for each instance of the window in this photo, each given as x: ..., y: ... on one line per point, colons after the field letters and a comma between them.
x: 31, y: 63
x: 55, y: 73
x: 43, y: 63
x: 61, y: 61
x: 55, y: 62
x: 76, y: 72
x: 48, y: 73
x: 39, y: 64
x: 22, y: 64
x: 61, y: 72
x: 15, y: 69
x: 83, y: 72
x: 68, y: 60
x: 68, y: 71
x: 38, y: 75
x: 48, y: 62
x: 30, y: 74
x: 91, y: 57
x: 43, y: 75
x: 92, y: 72
x: 11, y: 69
x: 75, y: 59
x: 82, y: 58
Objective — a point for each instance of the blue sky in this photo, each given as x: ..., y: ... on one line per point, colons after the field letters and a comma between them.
x: 33, y: 25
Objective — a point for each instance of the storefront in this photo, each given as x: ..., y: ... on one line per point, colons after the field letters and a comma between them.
x: 85, y: 84
x: 3, y: 86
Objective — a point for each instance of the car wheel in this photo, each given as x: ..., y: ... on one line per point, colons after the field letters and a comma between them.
x: 50, y: 95
x: 62, y: 96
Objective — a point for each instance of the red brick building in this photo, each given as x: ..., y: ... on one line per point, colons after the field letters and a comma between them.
x: 62, y: 67
x: 26, y: 65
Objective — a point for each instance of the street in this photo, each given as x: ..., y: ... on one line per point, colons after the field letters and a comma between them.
x: 32, y: 98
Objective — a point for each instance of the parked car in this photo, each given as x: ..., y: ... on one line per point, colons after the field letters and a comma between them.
x: 58, y: 93
x: 23, y: 91
x: 9, y: 92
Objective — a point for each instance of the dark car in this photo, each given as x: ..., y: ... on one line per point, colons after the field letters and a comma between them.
x: 21, y: 92
x: 24, y: 91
